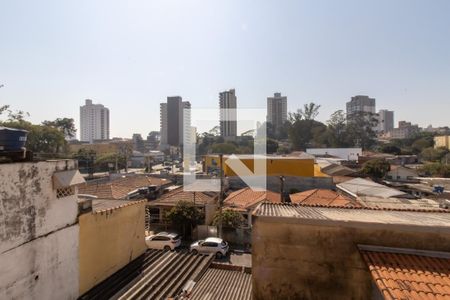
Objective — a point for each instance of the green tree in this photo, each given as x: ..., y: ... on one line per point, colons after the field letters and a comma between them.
x: 301, y: 132
x: 433, y: 155
x: 360, y: 130
x: 435, y: 169
x: 337, y: 130
x: 422, y: 143
x: 310, y: 111
x: 224, y: 148
x: 271, y: 146
x: 65, y: 125
x: 185, y: 215
x: 391, y: 149
x: 376, y: 168
x: 230, y: 219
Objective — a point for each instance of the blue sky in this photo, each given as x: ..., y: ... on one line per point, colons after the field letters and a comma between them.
x: 130, y: 55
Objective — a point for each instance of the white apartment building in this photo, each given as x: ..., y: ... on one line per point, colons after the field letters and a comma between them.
x: 94, y: 122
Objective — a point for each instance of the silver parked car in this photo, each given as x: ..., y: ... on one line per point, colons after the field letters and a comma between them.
x: 212, y: 245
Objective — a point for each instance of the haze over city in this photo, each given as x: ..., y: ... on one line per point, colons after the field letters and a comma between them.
x: 130, y: 56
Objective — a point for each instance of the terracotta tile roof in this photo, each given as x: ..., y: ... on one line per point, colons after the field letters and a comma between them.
x: 173, y: 197
x: 247, y: 198
x: 119, y: 188
x: 105, y: 205
x: 322, y: 197
x: 409, y: 276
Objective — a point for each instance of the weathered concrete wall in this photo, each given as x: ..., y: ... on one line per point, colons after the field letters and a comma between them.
x: 109, y: 241
x: 295, y: 261
x: 45, y: 268
x: 38, y: 233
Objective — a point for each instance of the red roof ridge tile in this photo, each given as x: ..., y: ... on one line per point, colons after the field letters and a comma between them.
x: 425, y: 210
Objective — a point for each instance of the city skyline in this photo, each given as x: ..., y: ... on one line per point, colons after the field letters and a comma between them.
x: 128, y: 57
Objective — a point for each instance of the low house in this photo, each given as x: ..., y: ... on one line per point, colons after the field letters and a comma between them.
x: 322, y: 197
x: 246, y: 200
x: 157, y: 209
x: 403, y: 174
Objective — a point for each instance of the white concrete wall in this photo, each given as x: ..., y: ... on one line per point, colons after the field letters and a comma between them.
x: 38, y: 233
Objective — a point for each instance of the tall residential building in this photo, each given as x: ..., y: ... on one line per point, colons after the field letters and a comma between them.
x: 228, y: 117
x: 175, y: 118
x: 385, y: 120
x: 360, y: 104
x: 94, y: 122
x: 277, y: 110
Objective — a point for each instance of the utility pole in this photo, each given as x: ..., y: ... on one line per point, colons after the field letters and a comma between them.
x: 282, y: 188
x: 220, y: 194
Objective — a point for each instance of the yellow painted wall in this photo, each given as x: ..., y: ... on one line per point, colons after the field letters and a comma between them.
x: 109, y: 241
x: 442, y: 141
x: 276, y: 166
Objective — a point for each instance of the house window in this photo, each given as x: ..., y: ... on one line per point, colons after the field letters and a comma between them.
x: 65, y: 192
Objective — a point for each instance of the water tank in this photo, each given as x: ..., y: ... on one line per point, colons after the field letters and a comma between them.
x: 12, y: 139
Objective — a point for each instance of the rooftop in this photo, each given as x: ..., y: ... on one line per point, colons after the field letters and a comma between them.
x: 350, y: 215
x: 174, y: 196
x: 401, y: 203
x: 224, y: 285
x: 337, y: 170
x: 104, y: 205
x: 408, y: 274
x: 119, y: 188
x: 363, y: 187
x: 156, y: 274
x: 260, y: 156
x: 247, y: 198
x: 321, y: 197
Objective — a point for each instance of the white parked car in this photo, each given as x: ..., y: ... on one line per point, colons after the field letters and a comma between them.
x: 213, y: 245
x: 163, y: 240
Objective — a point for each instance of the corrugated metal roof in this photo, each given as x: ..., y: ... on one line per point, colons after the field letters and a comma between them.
x: 409, y: 276
x: 224, y: 285
x: 156, y: 274
x: 364, y: 187
x: 355, y: 214
x: 401, y: 203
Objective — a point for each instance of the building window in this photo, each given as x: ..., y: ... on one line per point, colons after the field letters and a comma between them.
x: 65, y: 192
